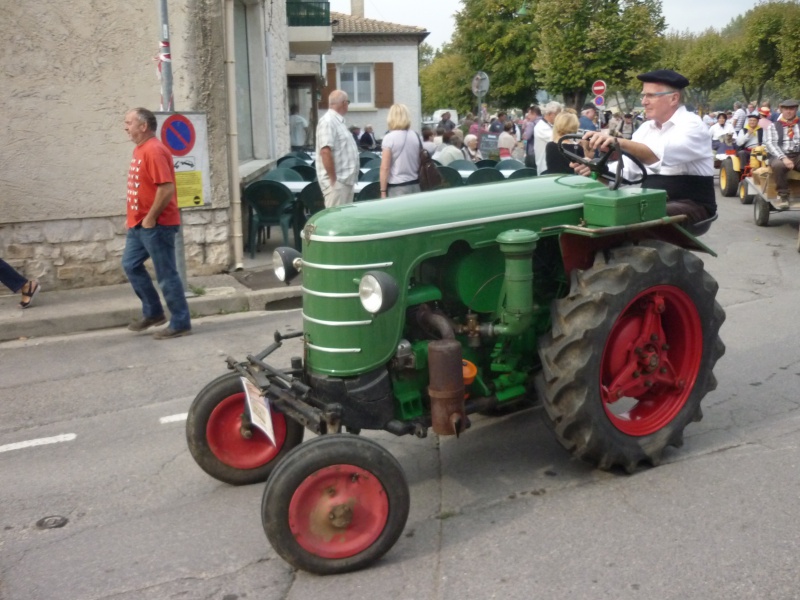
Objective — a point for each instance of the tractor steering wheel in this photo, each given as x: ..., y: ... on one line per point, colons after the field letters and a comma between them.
x: 598, y: 165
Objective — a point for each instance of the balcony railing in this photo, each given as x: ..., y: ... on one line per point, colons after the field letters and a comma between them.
x: 308, y: 14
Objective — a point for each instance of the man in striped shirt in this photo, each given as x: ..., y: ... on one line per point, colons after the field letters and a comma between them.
x: 782, y: 140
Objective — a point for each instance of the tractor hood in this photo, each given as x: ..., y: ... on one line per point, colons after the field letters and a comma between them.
x: 452, y: 208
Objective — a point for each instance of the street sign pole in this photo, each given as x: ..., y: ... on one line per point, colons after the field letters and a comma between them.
x: 167, y: 105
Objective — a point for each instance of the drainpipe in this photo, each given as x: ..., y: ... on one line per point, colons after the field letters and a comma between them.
x: 233, y: 137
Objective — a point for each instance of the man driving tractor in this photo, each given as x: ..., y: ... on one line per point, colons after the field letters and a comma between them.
x: 674, y: 145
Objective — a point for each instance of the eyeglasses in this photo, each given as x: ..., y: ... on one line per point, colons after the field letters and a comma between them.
x: 655, y: 95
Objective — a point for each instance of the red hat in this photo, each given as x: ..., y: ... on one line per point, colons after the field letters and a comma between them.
x: 764, y: 112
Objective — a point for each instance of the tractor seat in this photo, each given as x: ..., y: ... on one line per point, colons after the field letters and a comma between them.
x: 701, y: 227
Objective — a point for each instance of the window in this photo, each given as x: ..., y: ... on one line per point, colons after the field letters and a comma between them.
x: 356, y: 80
x: 254, y: 119
x: 244, y: 112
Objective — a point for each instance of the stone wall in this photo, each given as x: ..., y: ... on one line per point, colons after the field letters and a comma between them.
x: 75, y: 253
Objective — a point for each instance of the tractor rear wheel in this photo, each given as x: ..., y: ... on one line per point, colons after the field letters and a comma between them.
x: 630, y: 354
x: 728, y: 178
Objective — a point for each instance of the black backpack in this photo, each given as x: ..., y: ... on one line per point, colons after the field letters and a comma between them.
x: 429, y: 176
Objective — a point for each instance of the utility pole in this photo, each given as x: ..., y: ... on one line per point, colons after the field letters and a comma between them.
x: 168, y: 105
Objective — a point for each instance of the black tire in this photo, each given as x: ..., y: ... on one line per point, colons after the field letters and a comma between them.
x: 744, y: 197
x: 728, y: 178
x: 212, y: 433
x: 761, y: 212
x: 591, y: 348
x: 357, y: 472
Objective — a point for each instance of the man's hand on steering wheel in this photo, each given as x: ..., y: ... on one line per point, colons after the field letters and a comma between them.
x: 605, y: 145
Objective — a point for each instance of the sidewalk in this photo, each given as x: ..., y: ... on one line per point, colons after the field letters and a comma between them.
x: 72, y: 311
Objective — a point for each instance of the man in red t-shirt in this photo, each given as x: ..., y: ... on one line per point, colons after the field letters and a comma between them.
x: 153, y: 221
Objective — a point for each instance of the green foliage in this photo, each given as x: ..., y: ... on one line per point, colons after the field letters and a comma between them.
x: 585, y: 40
x: 426, y: 53
x: 491, y: 36
x: 707, y: 62
x: 446, y: 83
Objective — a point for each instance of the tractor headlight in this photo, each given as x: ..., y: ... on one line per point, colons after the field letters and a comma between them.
x: 378, y: 292
x: 287, y: 263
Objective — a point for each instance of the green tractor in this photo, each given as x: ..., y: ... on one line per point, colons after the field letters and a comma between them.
x: 423, y: 310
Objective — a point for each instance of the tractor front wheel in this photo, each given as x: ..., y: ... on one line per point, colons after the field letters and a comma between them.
x: 630, y: 354
x: 335, y: 504
x: 744, y: 197
x: 227, y: 448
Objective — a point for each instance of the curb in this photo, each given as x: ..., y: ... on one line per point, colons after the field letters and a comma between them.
x: 91, y: 317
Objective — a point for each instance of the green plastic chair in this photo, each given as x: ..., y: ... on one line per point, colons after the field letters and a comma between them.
x: 282, y: 174
x: 371, y: 175
x: 372, y: 191
x: 463, y: 165
x: 372, y: 163
x: 523, y: 173
x: 311, y: 198
x: 508, y: 164
x: 300, y: 154
x: 450, y: 177
x: 271, y: 203
x: 306, y: 172
x: 289, y: 161
x: 485, y: 175
x: 485, y: 162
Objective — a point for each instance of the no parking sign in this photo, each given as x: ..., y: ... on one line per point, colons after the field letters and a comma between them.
x: 186, y: 136
x: 177, y: 134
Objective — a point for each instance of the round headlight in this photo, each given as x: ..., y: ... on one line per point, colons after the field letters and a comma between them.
x: 286, y: 263
x: 377, y: 291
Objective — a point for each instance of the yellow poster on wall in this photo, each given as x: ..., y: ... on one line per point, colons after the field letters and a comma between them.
x: 190, y: 188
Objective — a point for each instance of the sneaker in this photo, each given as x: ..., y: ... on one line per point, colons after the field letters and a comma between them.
x: 169, y: 333
x: 147, y: 322
x: 782, y: 201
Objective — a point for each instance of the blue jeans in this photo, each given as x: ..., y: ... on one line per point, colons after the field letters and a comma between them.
x: 158, y: 244
x: 10, y: 278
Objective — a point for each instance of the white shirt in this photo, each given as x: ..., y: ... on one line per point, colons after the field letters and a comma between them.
x: 404, y: 147
x: 297, y: 130
x: 542, y: 133
x: 333, y: 133
x: 717, y: 130
x: 682, y: 145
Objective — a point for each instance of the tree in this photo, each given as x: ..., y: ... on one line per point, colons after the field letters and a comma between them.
x: 761, y: 49
x: 585, y: 40
x: 426, y: 55
x: 446, y: 83
x: 493, y: 37
x: 708, y: 63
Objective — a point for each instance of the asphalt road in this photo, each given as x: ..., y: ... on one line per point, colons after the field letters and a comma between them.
x: 502, y: 512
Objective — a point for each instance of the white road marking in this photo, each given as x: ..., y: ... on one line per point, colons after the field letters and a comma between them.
x: 67, y: 437
x: 173, y: 418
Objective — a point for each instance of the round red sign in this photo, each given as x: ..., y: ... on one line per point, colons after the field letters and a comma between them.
x: 599, y: 87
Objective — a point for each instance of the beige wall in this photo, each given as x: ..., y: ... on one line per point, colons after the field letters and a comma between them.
x: 68, y: 73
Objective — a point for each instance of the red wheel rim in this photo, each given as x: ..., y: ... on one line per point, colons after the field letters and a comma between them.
x: 338, y: 511
x: 651, y: 360
x: 224, y: 435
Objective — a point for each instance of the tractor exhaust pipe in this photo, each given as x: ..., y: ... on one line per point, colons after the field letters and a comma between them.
x: 446, y: 389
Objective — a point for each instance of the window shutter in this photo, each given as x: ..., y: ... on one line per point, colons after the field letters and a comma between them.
x: 384, y: 85
x: 330, y: 85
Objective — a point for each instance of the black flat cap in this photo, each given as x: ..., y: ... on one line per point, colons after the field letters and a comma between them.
x: 788, y: 103
x: 589, y: 105
x: 666, y: 77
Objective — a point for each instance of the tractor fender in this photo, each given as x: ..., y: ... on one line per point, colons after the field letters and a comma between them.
x: 580, y: 244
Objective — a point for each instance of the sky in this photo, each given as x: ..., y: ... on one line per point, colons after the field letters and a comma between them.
x: 436, y: 15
